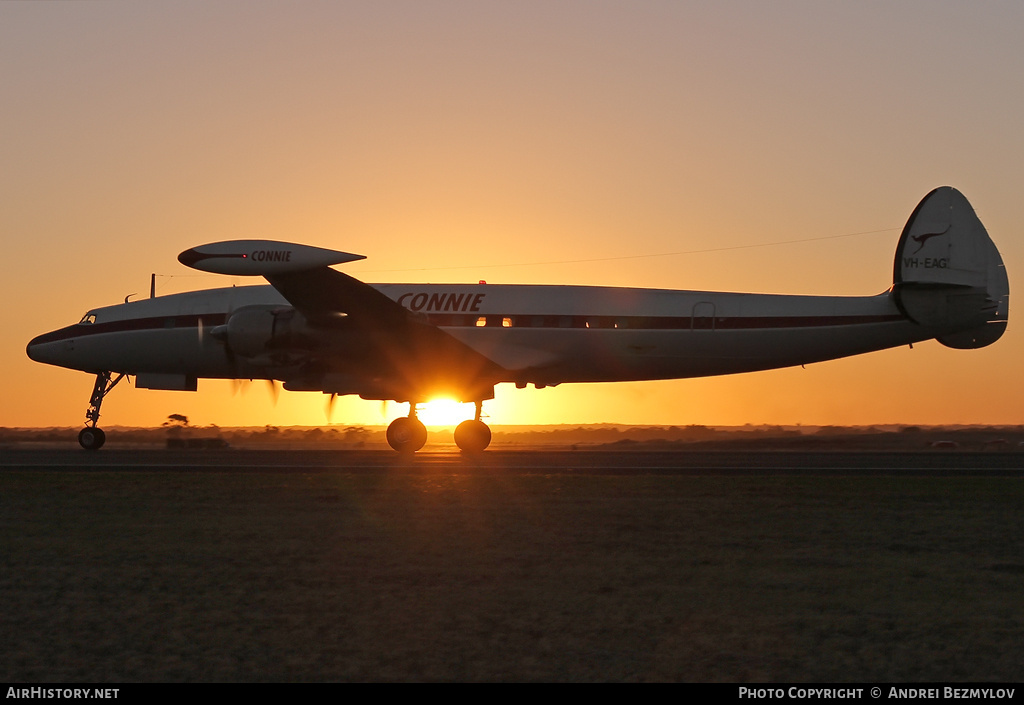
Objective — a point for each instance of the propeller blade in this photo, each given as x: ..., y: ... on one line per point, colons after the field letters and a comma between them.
x: 330, y: 407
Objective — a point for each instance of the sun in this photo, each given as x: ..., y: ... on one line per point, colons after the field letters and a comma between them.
x: 444, y: 412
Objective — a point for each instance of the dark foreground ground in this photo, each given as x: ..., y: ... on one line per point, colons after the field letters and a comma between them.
x: 587, y: 566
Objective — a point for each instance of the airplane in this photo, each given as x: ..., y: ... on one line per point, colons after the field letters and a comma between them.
x: 315, y: 328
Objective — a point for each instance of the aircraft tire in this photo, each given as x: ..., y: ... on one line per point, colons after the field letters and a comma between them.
x: 472, y: 436
x: 407, y: 434
x: 92, y: 438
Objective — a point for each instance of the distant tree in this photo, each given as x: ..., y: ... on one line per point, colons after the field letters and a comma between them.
x: 356, y: 435
x: 174, y: 424
x: 696, y: 432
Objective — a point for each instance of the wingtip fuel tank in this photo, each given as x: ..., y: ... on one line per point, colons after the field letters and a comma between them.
x: 261, y: 257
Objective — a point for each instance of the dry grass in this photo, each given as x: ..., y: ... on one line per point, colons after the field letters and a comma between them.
x: 293, y: 577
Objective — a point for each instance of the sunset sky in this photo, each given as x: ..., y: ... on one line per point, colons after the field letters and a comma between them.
x: 649, y: 144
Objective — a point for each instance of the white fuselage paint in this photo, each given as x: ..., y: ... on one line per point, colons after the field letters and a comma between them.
x: 536, y: 334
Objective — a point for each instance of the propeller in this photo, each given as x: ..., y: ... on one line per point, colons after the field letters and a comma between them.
x: 242, y: 385
x: 330, y: 407
x: 220, y: 334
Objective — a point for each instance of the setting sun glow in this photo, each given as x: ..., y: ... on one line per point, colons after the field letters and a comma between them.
x: 444, y: 412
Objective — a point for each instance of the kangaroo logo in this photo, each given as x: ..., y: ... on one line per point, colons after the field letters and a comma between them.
x: 922, y: 239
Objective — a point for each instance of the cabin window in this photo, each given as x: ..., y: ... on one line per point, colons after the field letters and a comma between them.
x: 506, y: 322
x: 88, y: 319
x: 481, y: 322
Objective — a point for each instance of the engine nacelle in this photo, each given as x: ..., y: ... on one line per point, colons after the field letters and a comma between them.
x: 279, y: 340
x: 253, y: 331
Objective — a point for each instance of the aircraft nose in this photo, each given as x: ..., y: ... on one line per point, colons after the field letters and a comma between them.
x: 47, y: 348
x: 35, y: 349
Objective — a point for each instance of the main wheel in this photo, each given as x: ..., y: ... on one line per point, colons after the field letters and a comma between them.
x: 407, y: 434
x: 91, y: 438
x: 472, y: 436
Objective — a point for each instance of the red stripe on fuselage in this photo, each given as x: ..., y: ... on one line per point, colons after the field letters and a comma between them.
x: 517, y: 320
x: 82, y: 330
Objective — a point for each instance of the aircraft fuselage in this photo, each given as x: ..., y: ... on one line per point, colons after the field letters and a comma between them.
x: 543, y: 335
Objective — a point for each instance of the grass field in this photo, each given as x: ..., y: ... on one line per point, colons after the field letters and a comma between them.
x: 152, y: 576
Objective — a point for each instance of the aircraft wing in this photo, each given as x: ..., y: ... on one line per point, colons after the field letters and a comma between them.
x: 326, y: 293
x: 375, y: 347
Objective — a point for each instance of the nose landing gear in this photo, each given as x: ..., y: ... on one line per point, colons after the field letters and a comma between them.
x: 92, y: 437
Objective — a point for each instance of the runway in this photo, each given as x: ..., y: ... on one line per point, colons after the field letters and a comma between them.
x: 255, y: 565
x: 523, y: 462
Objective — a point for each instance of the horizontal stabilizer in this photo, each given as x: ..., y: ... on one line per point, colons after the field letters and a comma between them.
x: 261, y: 257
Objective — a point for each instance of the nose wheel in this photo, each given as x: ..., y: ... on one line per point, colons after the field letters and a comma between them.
x: 92, y: 437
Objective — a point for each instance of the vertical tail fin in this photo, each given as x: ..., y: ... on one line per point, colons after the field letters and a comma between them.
x: 948, y: 273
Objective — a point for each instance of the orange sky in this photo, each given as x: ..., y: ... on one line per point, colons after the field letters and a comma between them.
x: 469, y: 135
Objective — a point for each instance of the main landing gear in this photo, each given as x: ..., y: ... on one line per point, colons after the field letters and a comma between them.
x: 407, y: 434
x: 473, y: 435
x: 92, y: 437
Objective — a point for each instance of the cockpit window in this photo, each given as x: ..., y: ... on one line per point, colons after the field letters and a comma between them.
x: 87, y: 319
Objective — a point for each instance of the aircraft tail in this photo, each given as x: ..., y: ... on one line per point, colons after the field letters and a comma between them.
x: 948, y: 273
